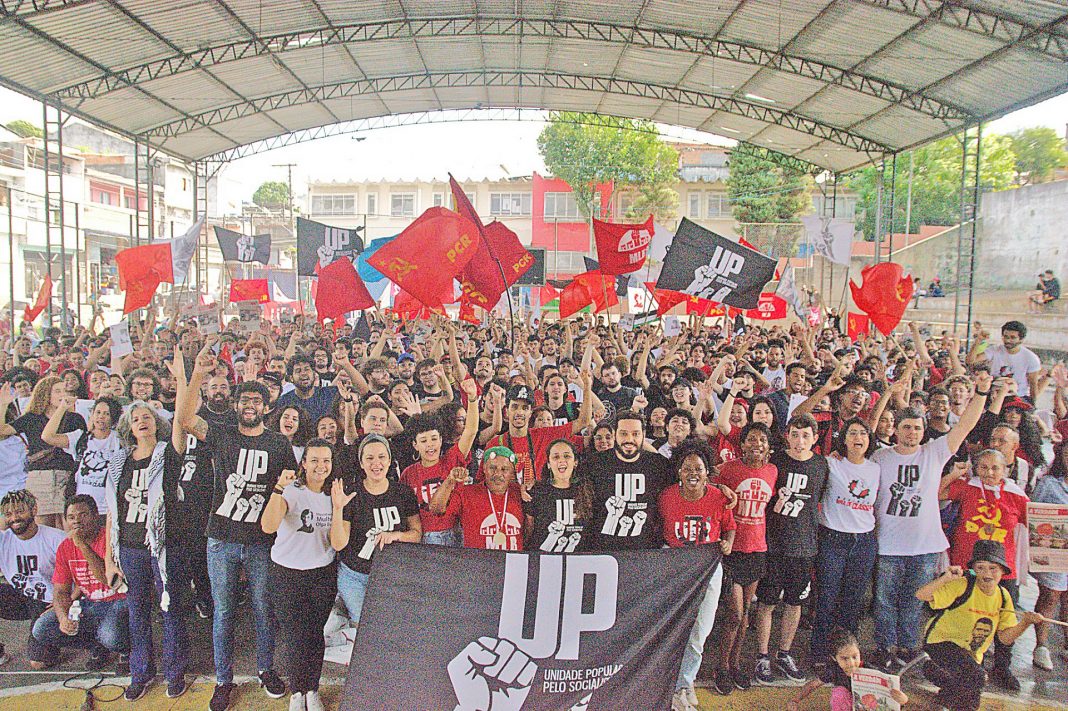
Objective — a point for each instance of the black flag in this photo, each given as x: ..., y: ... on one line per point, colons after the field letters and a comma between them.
x: 705, y: 264
x: 466, y: 630
x: 237, y: 247
x: 318, y: 245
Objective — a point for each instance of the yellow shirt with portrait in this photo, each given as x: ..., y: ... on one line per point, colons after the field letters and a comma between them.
x: 972, y: 625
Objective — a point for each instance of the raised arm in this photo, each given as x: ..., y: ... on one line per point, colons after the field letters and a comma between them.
x: 358, y: 381
x: 277, y: 506
x: 185, y: 402
x: 586, y: 410
x: 467, y: 437
x: 440, y: 501
x: 50, y: 434
x: 971, y: 414
x: 833, y: 383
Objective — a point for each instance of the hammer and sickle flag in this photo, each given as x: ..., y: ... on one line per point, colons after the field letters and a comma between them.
x: 884, y: 294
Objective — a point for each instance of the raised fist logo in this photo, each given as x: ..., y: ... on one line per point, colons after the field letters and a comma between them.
x: 491, y: 675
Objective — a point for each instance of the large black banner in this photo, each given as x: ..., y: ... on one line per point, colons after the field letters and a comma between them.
x: 705, y: 264
x: 318, y: 245
x: 472, y: 630
x: 237, y: 247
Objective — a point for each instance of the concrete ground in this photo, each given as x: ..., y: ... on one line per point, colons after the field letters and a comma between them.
x: 21, y: 689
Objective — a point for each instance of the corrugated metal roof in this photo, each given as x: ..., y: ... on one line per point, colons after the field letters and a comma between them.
x: 836, y: 82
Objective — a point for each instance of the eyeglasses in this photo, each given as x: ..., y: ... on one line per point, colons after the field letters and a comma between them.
x: 490, y: 456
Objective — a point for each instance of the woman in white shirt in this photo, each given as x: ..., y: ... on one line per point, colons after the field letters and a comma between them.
x: 303, y: 571
x: 92, y: 449
x: 847, y: 542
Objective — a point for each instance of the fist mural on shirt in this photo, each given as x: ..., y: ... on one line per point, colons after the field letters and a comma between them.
x: 491, y: 675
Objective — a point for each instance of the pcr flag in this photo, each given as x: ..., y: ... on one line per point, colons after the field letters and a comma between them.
x: 249, y: 290
x: 236, y: 247
x: 884, y: 294
x: 622, y: 248
x: 365, y: 270
x: 573, y: 299
x: 318, y: 245
x: 43, y: 295
x: 705, y: 264
x: 141, y: 271
x: 857, y: 324
x: 704, y: 307
x: 830, y: 237
x: 340, y: 291
x: 183, y: 247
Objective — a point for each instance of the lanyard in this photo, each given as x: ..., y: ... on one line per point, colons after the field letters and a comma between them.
x: 530, y: 454
x: 499, y: 520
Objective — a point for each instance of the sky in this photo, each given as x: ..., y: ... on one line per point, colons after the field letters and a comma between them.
x: 474, y: 150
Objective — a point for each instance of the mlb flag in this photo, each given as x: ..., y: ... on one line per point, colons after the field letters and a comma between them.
x: 622, y: 248
x: 704, y: 264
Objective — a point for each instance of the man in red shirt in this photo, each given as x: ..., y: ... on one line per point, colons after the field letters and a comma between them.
x: 490, y: 511
x: 531, y: 445
x: 433, y: 467
x: 103, y: 625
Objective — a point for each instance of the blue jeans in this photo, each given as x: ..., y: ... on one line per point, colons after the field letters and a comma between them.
x: 702, y: 626
x: 843, y: 572
x: 352, y: 587
x: 101, y: 624
x: 448, y: 538
x: 225, y: 560
x: 141, y: 571
x: 897, y: 611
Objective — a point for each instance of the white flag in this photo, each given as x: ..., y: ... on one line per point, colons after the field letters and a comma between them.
x: 830, y: 237
x: 787, y: 289
x: 183, y: 247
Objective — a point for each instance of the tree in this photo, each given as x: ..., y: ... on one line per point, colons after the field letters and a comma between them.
x: 1039, y: 151
x: 936, y: 179
x: 24, y: 129
x: 272, y: 195
x: 584, y: 152
x: 769, y: 193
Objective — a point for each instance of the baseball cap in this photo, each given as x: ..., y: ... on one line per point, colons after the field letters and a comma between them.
x: 520, y: 392
x: 405, y: 356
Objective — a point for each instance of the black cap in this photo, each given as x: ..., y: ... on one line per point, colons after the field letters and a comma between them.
x: 520, y: 392
x: 990, y: 552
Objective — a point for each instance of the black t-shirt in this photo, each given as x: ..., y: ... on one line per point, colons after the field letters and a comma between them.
x: 626, y: 514
x: 31, y: 425
x: 189, y: 487
x: 367, y: 512
x: 555, y: 528
x: 621, y: 399
x: 246, y: 469
x: 791, y: 517
x: 567, y: 412
x: 132, y: 496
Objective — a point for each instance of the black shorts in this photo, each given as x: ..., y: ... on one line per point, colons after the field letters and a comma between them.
x: 786, y: 577
x: 745, y: 568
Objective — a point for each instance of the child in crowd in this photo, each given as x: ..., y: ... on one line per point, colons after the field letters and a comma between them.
x: 846, y: 654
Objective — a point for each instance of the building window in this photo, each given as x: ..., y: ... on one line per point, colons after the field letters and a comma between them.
x: 718, y: 205
x: 439, y: 199
x: 402, y: 205
x: 103, y: 197
x: 562, y: 206
x: 695, y: 206
x: 509, y: 204
x: 333, y: 204
x: 624, y: 201
x: 372, y: 204
x: 564, y: 262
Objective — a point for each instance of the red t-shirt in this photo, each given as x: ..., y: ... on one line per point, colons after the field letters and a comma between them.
x: 755, y: 488
x: 72, y: 567
x: 986, y: 516
x: 426, y: 480
x: 694, y: 523
x: 728, y: 447
x: 481, y: 520
x: 540, y: 438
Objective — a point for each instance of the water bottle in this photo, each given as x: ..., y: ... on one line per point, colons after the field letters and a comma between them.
x: 75, y: 614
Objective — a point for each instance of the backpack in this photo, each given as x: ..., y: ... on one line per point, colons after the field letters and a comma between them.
x: 969, y: 586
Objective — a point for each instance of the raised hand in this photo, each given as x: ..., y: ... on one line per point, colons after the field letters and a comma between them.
x: 458, y: 475
x: 287, y: 477
x: 338, y: 497
x: 491, y: 673
x: 469, y: 388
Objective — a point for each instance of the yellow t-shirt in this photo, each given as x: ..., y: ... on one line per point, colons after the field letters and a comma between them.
x: 972, y: 625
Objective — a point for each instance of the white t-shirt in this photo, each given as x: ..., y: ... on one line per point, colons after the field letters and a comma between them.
x: 28, y: 565
x: 1018, y: 365
x: 777, y: 377
x: 303, y: 540
x: 93, y: 468
x: 848, y: 503
x: 907, y: 507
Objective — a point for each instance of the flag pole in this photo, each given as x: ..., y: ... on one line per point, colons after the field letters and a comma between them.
x: 11, y: 260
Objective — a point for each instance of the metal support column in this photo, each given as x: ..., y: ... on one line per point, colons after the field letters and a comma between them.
x: 879, y: 177
x: 11, y: 258
x: 970, y: 191
x: 142, y: 181
x: 55, y: 223
x: 81, y: 257
x: 893, y: 200
x: 200, y: 198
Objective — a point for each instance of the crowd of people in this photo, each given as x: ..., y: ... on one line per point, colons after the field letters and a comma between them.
x: 199, y: 476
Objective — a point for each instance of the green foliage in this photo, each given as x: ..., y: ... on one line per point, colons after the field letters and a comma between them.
x: 272, y: 194
x: 1039, y: 151
x: 24, y: 129
x: 584, y: 154
x: 763, y: 191
x: 936, y: 180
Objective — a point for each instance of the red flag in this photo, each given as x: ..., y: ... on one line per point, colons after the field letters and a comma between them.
x: 857, y: 324
x: 462, y: 204
x: 665, y: 298
x: 548, y: 293
x: 574, y: 298
x: 249, y: 290
x: 704, y: 307
x: 770, y: 307
x: 432, y: 251
x: 407, y: 306
x: 141, y: 271
x: 600, y: 287
x: 32, y: 312
x: 224, y: 354
x: 622, y: 248
x: 884, y: 294
x: 482, y: 278
x: 467, y: 312
x: 340, y: 291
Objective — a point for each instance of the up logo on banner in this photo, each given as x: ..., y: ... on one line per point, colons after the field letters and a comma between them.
x: 498, y: 673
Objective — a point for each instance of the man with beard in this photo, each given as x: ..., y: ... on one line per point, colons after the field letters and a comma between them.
x: 1009, y: 358
x: 167, y: 389
x: 143, y: 384
x: 27, y: 560
x: 792, y: 393
x: 405, y: 370
x: 615, y: 396
x: 191, y: 499
x: 248, y: 460
x: 317, y: 400
x: 491, y: 511
x: 482, y: 371
x: 774, y: 366
x: 432, y: 389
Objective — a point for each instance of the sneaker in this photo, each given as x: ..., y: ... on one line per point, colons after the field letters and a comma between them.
x: 314, y: 702
x: 762, y: 673
x: 1005, y: 679
x: 272, y: 684
x: 204, y: 610
x: 785, y: 663
x: 691, y: 696
x: 135, y: 691
x: 905, y: 657
x: 679, y: 702
x: 220, y: 698
x: 740, y: 679
x: 177, y: 687
x: 296, y: 702
x: 884, y: 660
x: 98, y: 659
x: 1042, y: 658
x: 723, y: 683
